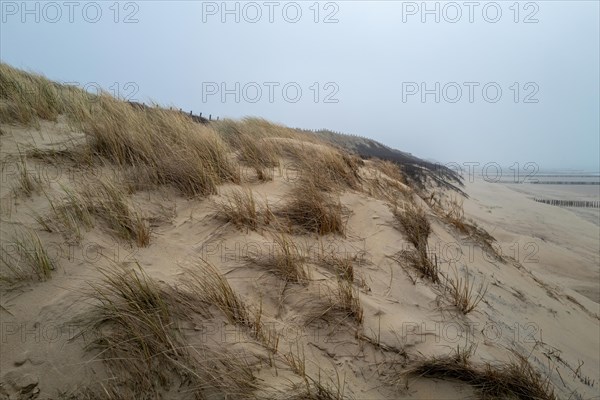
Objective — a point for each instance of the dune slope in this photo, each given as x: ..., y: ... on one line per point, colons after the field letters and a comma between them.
x: 145, y: 255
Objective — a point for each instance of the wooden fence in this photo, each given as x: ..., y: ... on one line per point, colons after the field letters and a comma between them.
x: 197, y: 118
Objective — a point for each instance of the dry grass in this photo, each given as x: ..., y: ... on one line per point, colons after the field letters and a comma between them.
x: 27, y: 97
x: 325, y: 167
x: 285, y: 260
x: 239, y: 207
x: 391, y: 170
x: 338, y: 306
x: 342, y: 266
x: 135, y: 327
x: 108, y: 201
x: 251, y: 138
x: 104, y: 199
x: 261, y: 144
x: 311, y: 388
x: 168, y: 147
x: 420, y: 261
x: 416, y: 227
x: 208, y: 286
x: 348, y: 300
x: 319, y: 388
x: 312, y: 210
x: 384, y: 180
x: 174, y: 149
x: 69, y: 214
x: 462, y: 293
x: 171, y: 147
x: 485, y: 240
x: 453, y: 213
x: 513, y: 379
x: 27, y: 183
x: 23, y: 257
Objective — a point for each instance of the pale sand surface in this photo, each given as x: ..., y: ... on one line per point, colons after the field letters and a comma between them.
x: 554, y: 241
x: 565, y: 192
x: 544, y: 303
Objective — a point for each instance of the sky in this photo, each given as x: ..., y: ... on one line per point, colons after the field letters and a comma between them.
x: 503, y: 82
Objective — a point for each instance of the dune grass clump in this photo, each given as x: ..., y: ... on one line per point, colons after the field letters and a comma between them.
x: 69, y: 213
x: 516, y: 379
x: 324, y: 166
x: 108, y: 201
x: 337, y: 306
x: 27, y: 97
x: 416, y: 227
x: 24, y: 257
x: 103, y: 199
x: 173, y: 148
x: 284, y: 260
x: 344, y: 302
x: 240, y: 208
x: 462, y: 293
x: 135, y: 326
x: 453, y: 213
x: 251, y: 137
x: 420, y: 261
x: 414, y: 224
x: 342, y: 266
x: 208, y: 286
x: 313, y: 210
x: 318, y: 388
x: 384, y: 180
x: 391, y: 170
x: 27, y: 182
x: 348, y: 300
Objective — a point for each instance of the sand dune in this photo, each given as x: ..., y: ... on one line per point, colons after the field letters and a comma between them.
x: 287, y: 269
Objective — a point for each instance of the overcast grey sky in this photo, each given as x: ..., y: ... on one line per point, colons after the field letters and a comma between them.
x: 458, y: 81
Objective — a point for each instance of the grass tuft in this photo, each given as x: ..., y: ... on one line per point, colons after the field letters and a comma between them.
x: 176, y: 150
x: 513, y: 379
x: 24, y: 257
x: 416, y: 227
x: 285, y: 260
x: 27, y: 183
x: 312, y: 210
x: 338, y: 306
x: 108, y: 201
x: 136, y: 328
x: 239, y: 208
x: 104, y: 199
x: 462, y: 293
x: 251, y: 137
x: 207, y: 285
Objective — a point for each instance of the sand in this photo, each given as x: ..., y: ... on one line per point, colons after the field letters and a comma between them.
x: 543, y: 301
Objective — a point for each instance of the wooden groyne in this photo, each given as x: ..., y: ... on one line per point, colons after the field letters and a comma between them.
x: 565, y: 182
x: 570, y: 203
